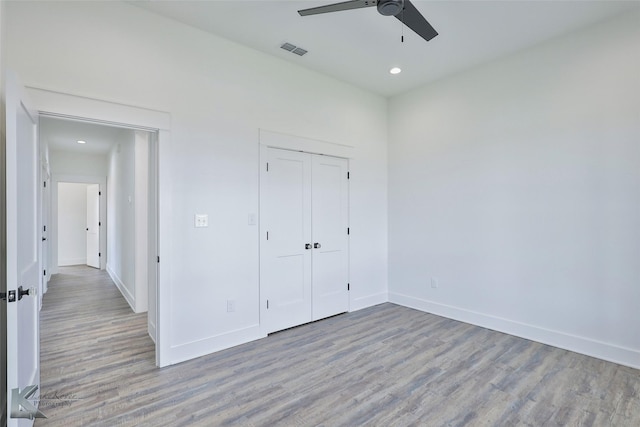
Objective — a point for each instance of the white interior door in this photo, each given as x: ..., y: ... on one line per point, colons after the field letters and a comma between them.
x: 304, y: 251
x: 93, y: 225
x: 285, y: 268
x: 330, y: 189
x: 23, y: 258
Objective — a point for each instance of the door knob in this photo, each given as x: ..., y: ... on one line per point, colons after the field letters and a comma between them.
x: 22, y: 292
x: 317, y: 245
x: 307, y: 245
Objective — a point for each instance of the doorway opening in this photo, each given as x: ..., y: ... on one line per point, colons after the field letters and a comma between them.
x: 103, y: 213
x: 157, y: 124
x: 78, y: 224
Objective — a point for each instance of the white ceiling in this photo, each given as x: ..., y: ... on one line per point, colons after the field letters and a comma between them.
x: 360, y: 46
x: 62, y: 135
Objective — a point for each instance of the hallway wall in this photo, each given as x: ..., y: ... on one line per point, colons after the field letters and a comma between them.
x: 121, y: 217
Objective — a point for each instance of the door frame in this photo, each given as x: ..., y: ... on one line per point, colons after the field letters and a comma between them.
x: 45, y: 200
x: 76, y: 179
x: 72, y: 107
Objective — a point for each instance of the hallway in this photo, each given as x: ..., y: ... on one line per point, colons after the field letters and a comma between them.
x: 91, y: 344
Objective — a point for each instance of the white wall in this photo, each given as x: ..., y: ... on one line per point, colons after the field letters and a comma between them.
x: 72, y: 221
x: 121, y: 217
x: 127, y: 214
x: 219, y: 94
x: 72, y: 163
x: 517, y: 185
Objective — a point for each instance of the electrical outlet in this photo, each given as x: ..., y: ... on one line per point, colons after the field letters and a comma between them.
x: 434, y: 282
x: 231, y: 306
x: 201, y: 220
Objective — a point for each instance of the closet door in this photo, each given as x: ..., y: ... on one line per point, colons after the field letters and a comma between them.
x: 285, y: 260
x: 329, y: 213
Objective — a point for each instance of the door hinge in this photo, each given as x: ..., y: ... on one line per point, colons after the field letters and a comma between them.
x: 44, y: 272
x: 267, y: 235
x: 158, y: 258
x: 348, y: 175
x: 348, y: 287
x: 44, y: 228
x: 348, y: 231
x: 267, y: 304
x: 267, y: 166
x: 99, y: 223
x: 45, y: 184
x: 99, y: 254
x: 99, y: 193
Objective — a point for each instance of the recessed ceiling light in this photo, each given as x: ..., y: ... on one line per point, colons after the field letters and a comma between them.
x: 395, y: 70
x: 81, y: 141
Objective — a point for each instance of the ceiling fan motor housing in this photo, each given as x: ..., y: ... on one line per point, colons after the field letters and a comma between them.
x: 390, y: 7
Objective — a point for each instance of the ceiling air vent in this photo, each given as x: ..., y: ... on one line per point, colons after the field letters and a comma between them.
x: 293, y: 49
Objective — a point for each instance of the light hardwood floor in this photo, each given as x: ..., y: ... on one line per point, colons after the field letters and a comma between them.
x: 383, y: 366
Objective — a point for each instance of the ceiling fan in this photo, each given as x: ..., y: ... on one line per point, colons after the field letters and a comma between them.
x: 403, y: 10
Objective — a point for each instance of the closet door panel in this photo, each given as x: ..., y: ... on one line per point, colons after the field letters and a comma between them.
x: 285, y: 262
x: 330, y: 273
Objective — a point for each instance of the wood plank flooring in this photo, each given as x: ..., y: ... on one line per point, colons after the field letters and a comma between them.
x: 382, y: 366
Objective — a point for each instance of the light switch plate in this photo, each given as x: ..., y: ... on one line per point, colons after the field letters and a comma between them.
x: 201, y: 220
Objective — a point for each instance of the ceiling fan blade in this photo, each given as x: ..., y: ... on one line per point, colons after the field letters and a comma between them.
x: 337, y: 7
x: 413, y: 19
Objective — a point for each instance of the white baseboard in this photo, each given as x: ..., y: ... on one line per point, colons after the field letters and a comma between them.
x: 368, y: 301
x: 191, y: 350
x: 187, y: 351
x: 152, y: 331
x: 122, y: 288
x: 583, y: 345
x: 72, y: 261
